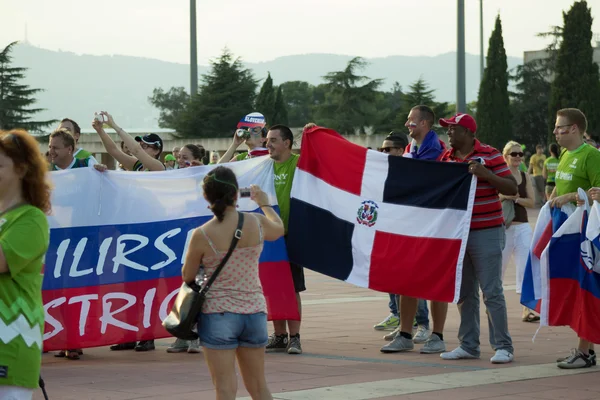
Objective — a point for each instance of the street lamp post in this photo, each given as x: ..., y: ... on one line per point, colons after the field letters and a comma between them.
x: 481, y: 40
x: 460, y: 59
x: 193, y: 50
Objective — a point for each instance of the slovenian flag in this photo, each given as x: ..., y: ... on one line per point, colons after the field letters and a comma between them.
x: 572, y: 260
x: 392, y: 224
x: 548, y: 222
x: 117, y: 244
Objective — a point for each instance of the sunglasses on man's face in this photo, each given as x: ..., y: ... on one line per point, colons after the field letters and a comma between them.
x: 516, y: 154
x: 387, y: 149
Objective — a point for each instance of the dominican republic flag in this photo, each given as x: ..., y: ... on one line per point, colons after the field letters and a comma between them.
x: 392, y: 224
x: 572, y: 264
x: 117, y: 244
x: 548, y: 222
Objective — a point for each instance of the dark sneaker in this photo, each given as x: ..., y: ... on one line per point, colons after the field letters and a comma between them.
x: 576, y: 360
x: 277, y: 343
x: 145, y: 345
x: 295, y: 347
x: 123, y: 346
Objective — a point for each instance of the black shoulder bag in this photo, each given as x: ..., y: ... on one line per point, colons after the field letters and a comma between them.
x: 182, y: 319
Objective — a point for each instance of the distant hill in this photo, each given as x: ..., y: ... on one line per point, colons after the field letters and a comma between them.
x: 77, y: 85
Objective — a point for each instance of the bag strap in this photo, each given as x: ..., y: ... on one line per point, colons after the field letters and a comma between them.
x: 236, y: 237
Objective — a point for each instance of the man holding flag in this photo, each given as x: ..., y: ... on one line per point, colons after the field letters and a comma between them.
x: 482, y: 265
x: 579, y: 167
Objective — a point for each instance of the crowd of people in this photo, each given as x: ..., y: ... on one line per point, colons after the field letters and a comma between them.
x: 233, y: 319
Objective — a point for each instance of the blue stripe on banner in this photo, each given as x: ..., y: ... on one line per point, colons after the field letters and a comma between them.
x: 325, y: 253
x: 427, y: 184
x: 103, y: 255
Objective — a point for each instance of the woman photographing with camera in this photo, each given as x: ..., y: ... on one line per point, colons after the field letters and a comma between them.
x: 233, y: 321
x: 24, y: 238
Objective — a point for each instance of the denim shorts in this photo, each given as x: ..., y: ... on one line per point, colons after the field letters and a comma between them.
x: 225, y: 331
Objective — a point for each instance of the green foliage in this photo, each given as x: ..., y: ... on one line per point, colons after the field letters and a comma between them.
x: 577, y: 79
x: 348, y: 106
x: 171, y: 105
x: 493, y: 104
x: 281, y: 115
x: 226, y: 94
x: 17, y: 98
x: 265, y: 101
x: 300, y: 101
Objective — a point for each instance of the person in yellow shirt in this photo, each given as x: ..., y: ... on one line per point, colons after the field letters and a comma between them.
x: 536, y: 167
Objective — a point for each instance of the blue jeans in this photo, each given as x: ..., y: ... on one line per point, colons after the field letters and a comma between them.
x: 422, y: 310
x: 226, y: 331
x: 482, y: 268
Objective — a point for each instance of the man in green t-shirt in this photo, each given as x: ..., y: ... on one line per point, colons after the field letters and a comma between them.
x: 24, y: 237
x: 579, y: 167
x: 549, y: 171
x: 279, y: 142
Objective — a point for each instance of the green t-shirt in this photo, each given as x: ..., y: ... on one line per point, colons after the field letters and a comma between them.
x: 242, y: 156
x: 24, y: 237
x: 284, y: 176
x: 551, y: 164
x: 81, y: 154
x: 579, y: 168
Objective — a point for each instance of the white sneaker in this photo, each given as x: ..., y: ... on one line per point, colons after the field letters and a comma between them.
x: 194, y: 346
x: 422, y: 335
x: 433, y: 345
x: 458, y: 354
x: 502, y: 357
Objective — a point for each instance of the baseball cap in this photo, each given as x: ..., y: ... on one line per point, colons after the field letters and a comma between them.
x: 252, y: 120
x: 152, y: 139
x: 170, y: 157
x: 461, y: 119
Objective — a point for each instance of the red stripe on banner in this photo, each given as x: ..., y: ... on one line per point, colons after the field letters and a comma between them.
x: 414, y: 266
x: 344, y: 171
x: 543, y: 241
x: 278, y: 287
x: 570, y: 305
x: 76, y: 316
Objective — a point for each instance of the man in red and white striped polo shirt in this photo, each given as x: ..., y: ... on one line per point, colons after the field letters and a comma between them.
x: 482, y: 266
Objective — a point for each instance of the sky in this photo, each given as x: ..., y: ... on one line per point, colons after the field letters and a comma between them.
x: 262, y: 30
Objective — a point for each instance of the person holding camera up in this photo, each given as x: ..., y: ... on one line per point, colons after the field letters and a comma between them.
x: 251, y: 130
x: 233, y: 321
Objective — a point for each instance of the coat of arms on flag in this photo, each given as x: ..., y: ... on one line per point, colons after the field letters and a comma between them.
x: 392, y: 224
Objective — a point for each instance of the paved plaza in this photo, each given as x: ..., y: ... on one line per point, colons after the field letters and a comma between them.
x: 342, y: 360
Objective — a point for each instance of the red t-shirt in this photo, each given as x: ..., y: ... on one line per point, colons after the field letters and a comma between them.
x: 487, y: 210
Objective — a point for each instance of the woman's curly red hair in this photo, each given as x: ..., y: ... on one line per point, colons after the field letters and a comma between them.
x: 25, y: 153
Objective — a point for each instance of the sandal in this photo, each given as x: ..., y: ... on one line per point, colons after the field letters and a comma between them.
x: 531, y: 317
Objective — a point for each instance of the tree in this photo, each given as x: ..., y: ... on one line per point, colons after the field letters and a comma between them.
x: 493, y: 103
x: 17, y: 98
x: 577, y: 79
x: 389, y: 106
x: 529, y: 105
x: 280, y: 116
x: 421, y: 94
x: 265, y: 101
x: 299, y: 101
x: 171, y: 105
x: 226, y: 94
x: 348, y: 106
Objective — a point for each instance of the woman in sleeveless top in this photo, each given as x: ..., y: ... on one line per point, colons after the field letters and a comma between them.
x: 234, y: 315
x: 519, y: 233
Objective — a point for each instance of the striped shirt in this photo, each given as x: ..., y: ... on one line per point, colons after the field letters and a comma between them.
x: 487, y: 210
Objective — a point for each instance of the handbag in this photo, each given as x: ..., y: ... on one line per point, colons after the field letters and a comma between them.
x: 508, y: 212
x: 181, y: 321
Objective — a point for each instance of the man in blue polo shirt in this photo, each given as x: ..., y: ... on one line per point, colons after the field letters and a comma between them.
x: 425, y: 145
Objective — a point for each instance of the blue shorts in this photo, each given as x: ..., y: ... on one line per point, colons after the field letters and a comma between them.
x: 225, y: 331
